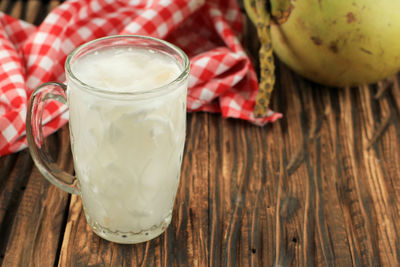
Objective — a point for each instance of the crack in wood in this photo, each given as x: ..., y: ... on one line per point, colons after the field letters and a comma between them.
x: 379, y: 131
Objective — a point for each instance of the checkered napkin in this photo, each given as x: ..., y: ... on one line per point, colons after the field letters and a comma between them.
x: 222, y: 78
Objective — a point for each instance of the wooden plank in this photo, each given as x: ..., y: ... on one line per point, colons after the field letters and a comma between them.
x: 376, y: 128
x: 39, y: 219
x: 3, y: 5
x: 16, y: 11
x: 32, y: 8
x: 291, y: 234
x: 15, y: 171
x: 6, y: 6
x: 316, y: 236
x: 53, y: 4
x: 331, y: 236
x: 390, y: 164
x: 7, y: 184
x: 192, y: 230
x: 237, y: 188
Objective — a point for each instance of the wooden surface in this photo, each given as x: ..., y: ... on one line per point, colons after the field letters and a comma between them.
x: 320, y: 187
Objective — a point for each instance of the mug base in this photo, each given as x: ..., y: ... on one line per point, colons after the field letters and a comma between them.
x: 130, y: 237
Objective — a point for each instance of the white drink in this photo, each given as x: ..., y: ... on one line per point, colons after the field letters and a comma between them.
x: 127, y: 149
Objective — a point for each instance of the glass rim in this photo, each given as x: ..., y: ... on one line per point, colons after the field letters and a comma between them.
x: 181, y: 77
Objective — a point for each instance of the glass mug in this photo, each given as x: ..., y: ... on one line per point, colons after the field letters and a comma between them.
x: 127, y: 146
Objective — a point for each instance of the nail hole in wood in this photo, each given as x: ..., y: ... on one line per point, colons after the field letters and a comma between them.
x: 294, y: 240
x: 253, y: 250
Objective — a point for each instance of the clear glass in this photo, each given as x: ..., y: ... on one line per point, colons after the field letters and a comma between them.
x: 127, y: 146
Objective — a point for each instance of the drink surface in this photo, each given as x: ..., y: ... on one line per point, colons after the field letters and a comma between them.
x: 127, y: 152
x: 126, y: 69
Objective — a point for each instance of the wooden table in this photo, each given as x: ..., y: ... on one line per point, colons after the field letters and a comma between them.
x: 319, y: 187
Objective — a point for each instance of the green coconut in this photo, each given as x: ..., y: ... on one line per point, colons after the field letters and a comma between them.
x: 333, y: 42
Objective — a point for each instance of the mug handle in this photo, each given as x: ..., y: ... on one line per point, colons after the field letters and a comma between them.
x: 34, y: 133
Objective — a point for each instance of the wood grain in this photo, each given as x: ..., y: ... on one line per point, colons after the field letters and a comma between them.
x: 320, y: 187
x: 38, y: 212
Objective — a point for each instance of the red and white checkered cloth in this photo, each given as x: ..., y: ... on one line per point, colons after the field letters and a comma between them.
x: 222, y: 78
